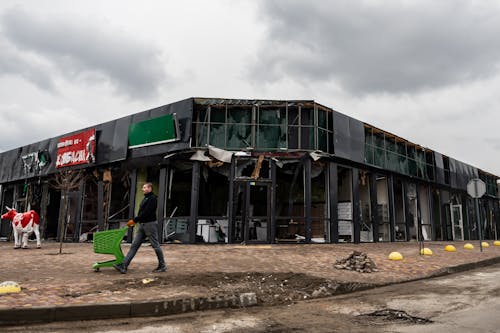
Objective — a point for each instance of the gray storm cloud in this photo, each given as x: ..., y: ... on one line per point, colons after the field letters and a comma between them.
x: 379, y: 47
x: 81, y: 50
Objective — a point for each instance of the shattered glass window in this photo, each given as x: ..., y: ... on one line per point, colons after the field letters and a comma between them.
x: 293, y: 115
x: 322, y: 139
x: 369, y: 154
x: 201, y: 134
x: 293, y: 137
x: 217, y: 135
x: 239, y: 128
x: 307, y: 137
x: 271, y: 137
x: 379, y: 157
x: 218, y: 114
x: 239, y: 136
x: 271, y: 131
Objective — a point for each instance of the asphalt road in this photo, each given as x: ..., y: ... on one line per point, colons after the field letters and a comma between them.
x: 466, y: 302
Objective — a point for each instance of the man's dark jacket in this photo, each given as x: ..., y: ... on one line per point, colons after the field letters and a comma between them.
x: 147, y: 209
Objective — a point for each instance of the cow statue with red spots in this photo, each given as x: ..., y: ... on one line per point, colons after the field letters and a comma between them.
x: 23, y: 224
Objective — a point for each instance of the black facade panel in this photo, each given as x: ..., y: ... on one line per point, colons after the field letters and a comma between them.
x: 349, y: 137
x: 453, y: 173
x: 120, y: 140
x: 438, y: 158
x: 462, y: 177
x: 357, y: 135
x: 104, y: 137
x: 341, y: 135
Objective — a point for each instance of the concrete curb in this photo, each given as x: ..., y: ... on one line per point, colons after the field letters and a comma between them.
x: 123, y: 310
x: 17, y: 316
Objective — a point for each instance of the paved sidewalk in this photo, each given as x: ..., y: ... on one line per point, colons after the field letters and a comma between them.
x: 50, y: 279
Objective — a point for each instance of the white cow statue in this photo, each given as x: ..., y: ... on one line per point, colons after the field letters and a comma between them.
x: 23, y: 224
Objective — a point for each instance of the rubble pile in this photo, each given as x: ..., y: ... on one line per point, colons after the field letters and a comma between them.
x: 357, y: 261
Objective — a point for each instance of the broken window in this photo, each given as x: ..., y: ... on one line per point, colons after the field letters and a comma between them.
x: 239, y: 122
x: 290, y: 202
x: 263, y: 125
x: 272, y: 127
x: 366, y: 230
x: 383, y: 209
x: 212, y: 223
x: 344, y: 205
x: 319, y: 203
x: 399, y: 208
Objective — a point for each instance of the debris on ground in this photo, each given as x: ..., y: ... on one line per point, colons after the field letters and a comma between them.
x: 357, y: 261
x: 397, y: 315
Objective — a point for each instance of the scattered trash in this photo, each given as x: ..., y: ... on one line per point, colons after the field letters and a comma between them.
x: 395, y: 256
x: 450, y: 248
x: 148, y: 280
x: 357, y: 261
x: 9, y: 287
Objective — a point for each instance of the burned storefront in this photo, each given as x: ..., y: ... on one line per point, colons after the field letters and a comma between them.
x: 247, y: 171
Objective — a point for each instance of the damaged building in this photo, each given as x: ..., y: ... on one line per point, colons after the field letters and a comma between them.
x: 247, y: 171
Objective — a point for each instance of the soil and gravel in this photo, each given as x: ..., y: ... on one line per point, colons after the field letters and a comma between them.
x: 270, y: 288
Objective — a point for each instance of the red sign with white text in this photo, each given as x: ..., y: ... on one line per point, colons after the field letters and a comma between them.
x: 76, y: 149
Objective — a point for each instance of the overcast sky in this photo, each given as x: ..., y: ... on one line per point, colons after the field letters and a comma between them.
x: 428, y: 71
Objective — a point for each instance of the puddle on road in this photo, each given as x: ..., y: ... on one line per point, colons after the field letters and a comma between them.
x: 397, y: 316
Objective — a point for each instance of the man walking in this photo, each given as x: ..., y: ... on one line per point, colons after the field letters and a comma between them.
x: 147, y: 228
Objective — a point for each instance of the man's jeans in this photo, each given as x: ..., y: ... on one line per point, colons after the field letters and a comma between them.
x: 149, y: 229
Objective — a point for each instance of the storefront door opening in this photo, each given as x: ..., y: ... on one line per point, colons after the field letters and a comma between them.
x: 251, y: 223
x: 457, y: 222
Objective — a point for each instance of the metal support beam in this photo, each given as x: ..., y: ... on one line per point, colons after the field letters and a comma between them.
x: 195, y: 191
x: 374, y: 204
x: 408, y: 219
x: 43, y: 208
x: 272, y: 233
x: 307, y: 199
x: 392, y: 210
x: 230, y: 223
x: 100, y: 205
x: 131, y: 207
x: 79, y: 212
x: 356, y: 212
x: 162, y: 190
x: 333, y: 191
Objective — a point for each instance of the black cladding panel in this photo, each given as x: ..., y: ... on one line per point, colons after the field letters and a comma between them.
x: 349, y: 137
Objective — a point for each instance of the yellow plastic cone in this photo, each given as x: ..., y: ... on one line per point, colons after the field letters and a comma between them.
x: 485, y: 244
x: 395, y: 256
x: 426, y: 251
x: 469, y: 246
x: 450, y: 248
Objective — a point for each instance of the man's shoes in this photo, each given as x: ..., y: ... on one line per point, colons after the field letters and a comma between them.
x: 160, y: 269
x: 121, y: 268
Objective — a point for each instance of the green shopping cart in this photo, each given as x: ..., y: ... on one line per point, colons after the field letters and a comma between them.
x: 108, y: 242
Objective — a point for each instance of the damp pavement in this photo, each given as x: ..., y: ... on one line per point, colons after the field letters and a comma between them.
x: 49, y: 279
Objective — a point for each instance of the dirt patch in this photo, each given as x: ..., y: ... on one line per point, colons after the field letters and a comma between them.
x: 270, y: 288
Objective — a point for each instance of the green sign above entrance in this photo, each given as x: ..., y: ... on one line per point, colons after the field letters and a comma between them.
x: 153, y: 131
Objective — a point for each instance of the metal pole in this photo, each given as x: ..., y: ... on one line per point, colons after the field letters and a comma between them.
x: 476, y: 204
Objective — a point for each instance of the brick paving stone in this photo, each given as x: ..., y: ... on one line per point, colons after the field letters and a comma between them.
x: 48, y: 278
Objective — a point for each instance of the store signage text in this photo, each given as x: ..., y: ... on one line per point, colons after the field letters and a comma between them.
x: 76, y: 149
